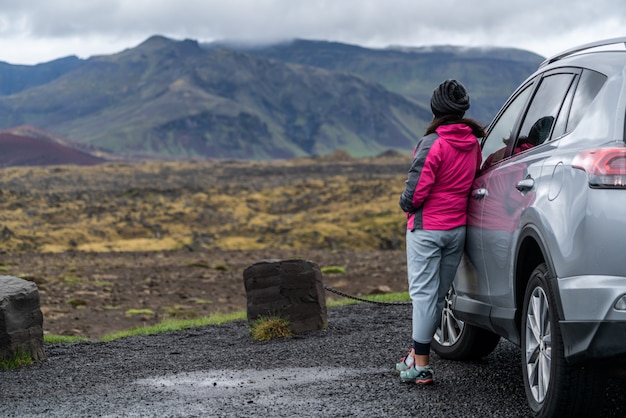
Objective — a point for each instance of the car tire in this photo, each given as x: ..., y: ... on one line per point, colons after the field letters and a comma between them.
x: 456, y: 340
x: 553, y: 386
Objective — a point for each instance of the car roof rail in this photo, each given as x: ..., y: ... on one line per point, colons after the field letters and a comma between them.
x: 582, y: 48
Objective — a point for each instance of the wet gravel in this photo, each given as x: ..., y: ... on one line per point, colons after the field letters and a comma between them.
x: 218, y: 371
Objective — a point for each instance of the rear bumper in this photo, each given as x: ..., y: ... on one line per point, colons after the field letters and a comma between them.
x: 591, y: 326
x: 593, y: 340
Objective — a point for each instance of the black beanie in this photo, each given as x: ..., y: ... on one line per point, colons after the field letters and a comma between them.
x: 449, y: 98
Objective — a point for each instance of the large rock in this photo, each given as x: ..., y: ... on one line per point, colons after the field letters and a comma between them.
x: 291, y: 289
x: 21, y: 321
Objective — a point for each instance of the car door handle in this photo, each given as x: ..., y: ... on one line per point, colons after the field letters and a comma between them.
x: 525, y: 185
x: 479, y: 194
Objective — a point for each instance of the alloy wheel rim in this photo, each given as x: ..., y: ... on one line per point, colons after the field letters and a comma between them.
x: 538, y: 344
x: 449, y: 330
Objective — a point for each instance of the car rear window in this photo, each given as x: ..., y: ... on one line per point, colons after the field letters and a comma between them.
x: 590, y: 84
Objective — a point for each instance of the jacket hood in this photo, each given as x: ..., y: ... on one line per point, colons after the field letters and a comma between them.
x: 458, y: 135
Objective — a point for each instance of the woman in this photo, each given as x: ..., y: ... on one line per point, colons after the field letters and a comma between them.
x: 445, y: 162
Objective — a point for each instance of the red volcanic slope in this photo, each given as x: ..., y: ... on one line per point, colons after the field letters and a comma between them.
x: 34, y: 132
x: 17, y: 150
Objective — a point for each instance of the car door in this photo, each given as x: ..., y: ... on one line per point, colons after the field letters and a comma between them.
x: 513, y: 186
x: 471, y: 287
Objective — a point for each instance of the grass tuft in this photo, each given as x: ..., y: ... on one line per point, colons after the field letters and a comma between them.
x: 220, y: 267
x: 333, y: 270
x: 77, y: 303
x: 135, y: 312
x: 20, y: 359
x: 269, y: 328
x: 70, y: 280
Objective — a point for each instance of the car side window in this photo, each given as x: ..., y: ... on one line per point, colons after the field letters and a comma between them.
x: 543, y: 111
x: 495, y: 144
x: 590, y: 84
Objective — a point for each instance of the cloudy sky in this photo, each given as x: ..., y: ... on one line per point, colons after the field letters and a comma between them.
x: 35, y: 31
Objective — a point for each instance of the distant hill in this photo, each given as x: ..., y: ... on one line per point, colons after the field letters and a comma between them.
x: 167, y: 99
x: 28, y: 146
x: 16, y: 78
x: 490, y: 74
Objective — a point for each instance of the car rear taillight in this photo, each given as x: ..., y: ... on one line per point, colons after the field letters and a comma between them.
x: 605, y: 167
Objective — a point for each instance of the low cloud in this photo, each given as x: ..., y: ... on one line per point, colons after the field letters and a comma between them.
x: 40, y: 30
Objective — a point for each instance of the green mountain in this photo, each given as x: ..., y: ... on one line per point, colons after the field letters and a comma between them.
x: 490, y: 74
x: 167, y: 99
x: 170, y: 99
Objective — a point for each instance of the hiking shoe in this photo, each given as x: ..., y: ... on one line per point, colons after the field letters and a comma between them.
x: 405, y: 362
x: 421, y: 375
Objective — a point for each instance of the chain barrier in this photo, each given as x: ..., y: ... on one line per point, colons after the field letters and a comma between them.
x: 345, y: 295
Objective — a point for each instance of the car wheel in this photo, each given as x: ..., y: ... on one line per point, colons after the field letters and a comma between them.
x: 553, y: 386
x: 456, y: 340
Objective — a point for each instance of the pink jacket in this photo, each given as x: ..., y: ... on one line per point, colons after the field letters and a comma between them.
x: 438, y: 184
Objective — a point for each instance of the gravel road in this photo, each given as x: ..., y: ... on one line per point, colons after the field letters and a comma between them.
x: 218, y: 371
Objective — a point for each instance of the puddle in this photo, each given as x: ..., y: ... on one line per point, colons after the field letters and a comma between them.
x: 240, y: 392
x: 247, y: 380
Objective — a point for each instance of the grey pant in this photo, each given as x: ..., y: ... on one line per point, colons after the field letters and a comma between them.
x: 432, y: 261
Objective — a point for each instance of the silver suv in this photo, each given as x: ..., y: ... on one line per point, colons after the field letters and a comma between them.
x: 545, y: 262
